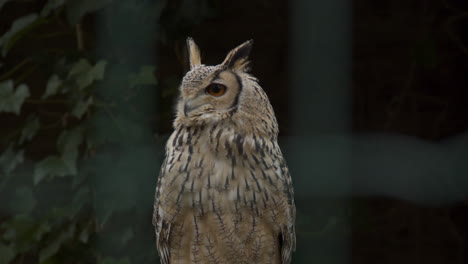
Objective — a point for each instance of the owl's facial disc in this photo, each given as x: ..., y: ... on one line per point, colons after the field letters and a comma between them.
x: 218, y: 95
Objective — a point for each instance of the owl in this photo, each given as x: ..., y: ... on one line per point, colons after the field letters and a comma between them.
x: 224, y: 193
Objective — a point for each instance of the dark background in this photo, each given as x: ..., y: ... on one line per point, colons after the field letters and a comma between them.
x: 405, y: 119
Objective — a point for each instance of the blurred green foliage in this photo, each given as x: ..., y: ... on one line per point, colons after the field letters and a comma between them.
x: 78, y: 158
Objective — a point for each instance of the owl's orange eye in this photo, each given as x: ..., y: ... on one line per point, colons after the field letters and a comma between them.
x: 216, y: 89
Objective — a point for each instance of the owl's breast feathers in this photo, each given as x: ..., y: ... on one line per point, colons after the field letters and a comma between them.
x: 223, y: 197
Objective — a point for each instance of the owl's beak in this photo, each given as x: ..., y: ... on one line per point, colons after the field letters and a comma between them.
x: 189, y: 106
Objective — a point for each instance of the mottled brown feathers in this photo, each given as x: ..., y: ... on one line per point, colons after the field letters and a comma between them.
x: 224, y: 193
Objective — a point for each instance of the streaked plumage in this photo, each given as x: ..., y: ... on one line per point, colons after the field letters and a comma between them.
x: 224, y: 193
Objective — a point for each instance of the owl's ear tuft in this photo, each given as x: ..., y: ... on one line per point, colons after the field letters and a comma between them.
x: 193, y: 52
x: 238, y: 58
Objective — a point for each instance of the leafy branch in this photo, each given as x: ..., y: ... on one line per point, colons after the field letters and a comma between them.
x: 77, y: 133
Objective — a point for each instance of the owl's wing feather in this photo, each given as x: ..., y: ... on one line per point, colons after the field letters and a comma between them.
x: 161, y: 227
x: 287, y: 244
x: 163, y: 243
x: 288, y: 232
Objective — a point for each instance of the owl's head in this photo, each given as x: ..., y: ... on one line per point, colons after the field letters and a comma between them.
x: 210, y: 94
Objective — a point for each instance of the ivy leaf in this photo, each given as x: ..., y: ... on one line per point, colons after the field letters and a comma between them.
x: 70, y: 158
x: 17, y: 30
x: 30, y: 129
x: 50, y: 167
x: 11, y: 99
x: 80, y: 67
x: 53, y: 85
x: 68, y: 144
x: 85, y: 74
x: 50, y: 6
x: 23, y: 201
x: 144, y: 77
x: 81, y: 107
x: 69, y: 140
x: 7, y: 254
x: 65, y: 164
x: 10, y: 159
x: 80, y: 73
x: 84, y: 80
x: 99, y: 70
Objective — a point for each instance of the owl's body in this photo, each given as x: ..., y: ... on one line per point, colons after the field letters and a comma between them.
x: 224, y: 194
